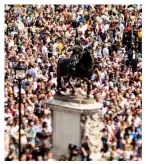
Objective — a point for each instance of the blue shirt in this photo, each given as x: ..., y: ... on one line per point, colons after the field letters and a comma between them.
x: 31, y: 132
x: 25, y: 84
x: 133, y: 135
x: 99, y: 53
x: 85, y: 6
x: 139, y: 130
x: 82, y: 20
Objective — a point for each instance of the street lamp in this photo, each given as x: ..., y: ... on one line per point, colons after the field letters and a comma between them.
x: 20, y: 74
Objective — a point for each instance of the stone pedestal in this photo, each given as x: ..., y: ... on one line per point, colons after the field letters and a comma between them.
x: 67, y: 112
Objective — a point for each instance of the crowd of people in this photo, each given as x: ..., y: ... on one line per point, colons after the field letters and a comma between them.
x: 39, y: 35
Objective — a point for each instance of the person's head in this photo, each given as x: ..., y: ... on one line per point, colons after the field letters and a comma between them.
x: 62, y: 158
x: 75, y: 150
x: 23, y: 157
x: 39, y: 158
x: 50, y: 155
x: 29, y: 157
x: 140, y: 28
x: 45, y: 125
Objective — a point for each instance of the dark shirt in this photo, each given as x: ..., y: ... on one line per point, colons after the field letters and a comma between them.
x: 38, y: 113
x: 82, y: 20
x: 50, y: 52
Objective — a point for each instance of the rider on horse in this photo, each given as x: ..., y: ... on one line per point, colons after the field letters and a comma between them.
x: 80, y: 60
x: 77, y: 49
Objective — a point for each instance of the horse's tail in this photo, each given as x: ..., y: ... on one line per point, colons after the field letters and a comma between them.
x: 59, y: 60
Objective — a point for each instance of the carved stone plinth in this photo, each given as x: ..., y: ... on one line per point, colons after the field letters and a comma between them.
x: 67, y: 121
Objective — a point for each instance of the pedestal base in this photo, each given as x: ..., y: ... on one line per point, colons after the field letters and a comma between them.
x: 67, y: 121
x: 66, y: 130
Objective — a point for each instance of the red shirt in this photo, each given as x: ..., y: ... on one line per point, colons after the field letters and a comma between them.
x: 113, y: 24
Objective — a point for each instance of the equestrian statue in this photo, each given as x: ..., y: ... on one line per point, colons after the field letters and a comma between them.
x: 79, y: 65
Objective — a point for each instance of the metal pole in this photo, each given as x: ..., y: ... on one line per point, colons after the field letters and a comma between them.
x: 19, y: 80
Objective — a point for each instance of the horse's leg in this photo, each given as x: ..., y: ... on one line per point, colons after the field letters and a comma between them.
x: 68, y: 78
x: 88, y: 87
x: 58, y: 84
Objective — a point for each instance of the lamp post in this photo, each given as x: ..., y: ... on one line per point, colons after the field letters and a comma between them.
x: 20, y: 73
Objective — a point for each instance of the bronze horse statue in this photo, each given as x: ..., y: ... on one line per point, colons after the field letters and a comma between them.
x: 84, y: 70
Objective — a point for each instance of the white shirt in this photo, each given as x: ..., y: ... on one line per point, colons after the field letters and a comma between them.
x: 8, y: 115
x: 95, y: 156
x: 14, y: 129
x: 51, y: 159
x: 11, y: 43
x: 137, y: 122
x: 102, y: 75
x: 55, y: 49
x: 103, y: 111
x: 93, y: 77
x: 38, y: 128
x: 48, y: 40
x: 49, y: 124
x: 121, y: 53
x: 85, y: 27
x: 105, y: 51
x: 23, y: 49
x: 110, y: 129
x: 33, y: 72
x: 121, y: 27
x: 23, y: 139
x: 35, y: 84
x: 54, y: 80
x: 104, y: 27
x: 39, y: 60
x: 44, y: 50
x: 17, y: 90
x: 20, y: 25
